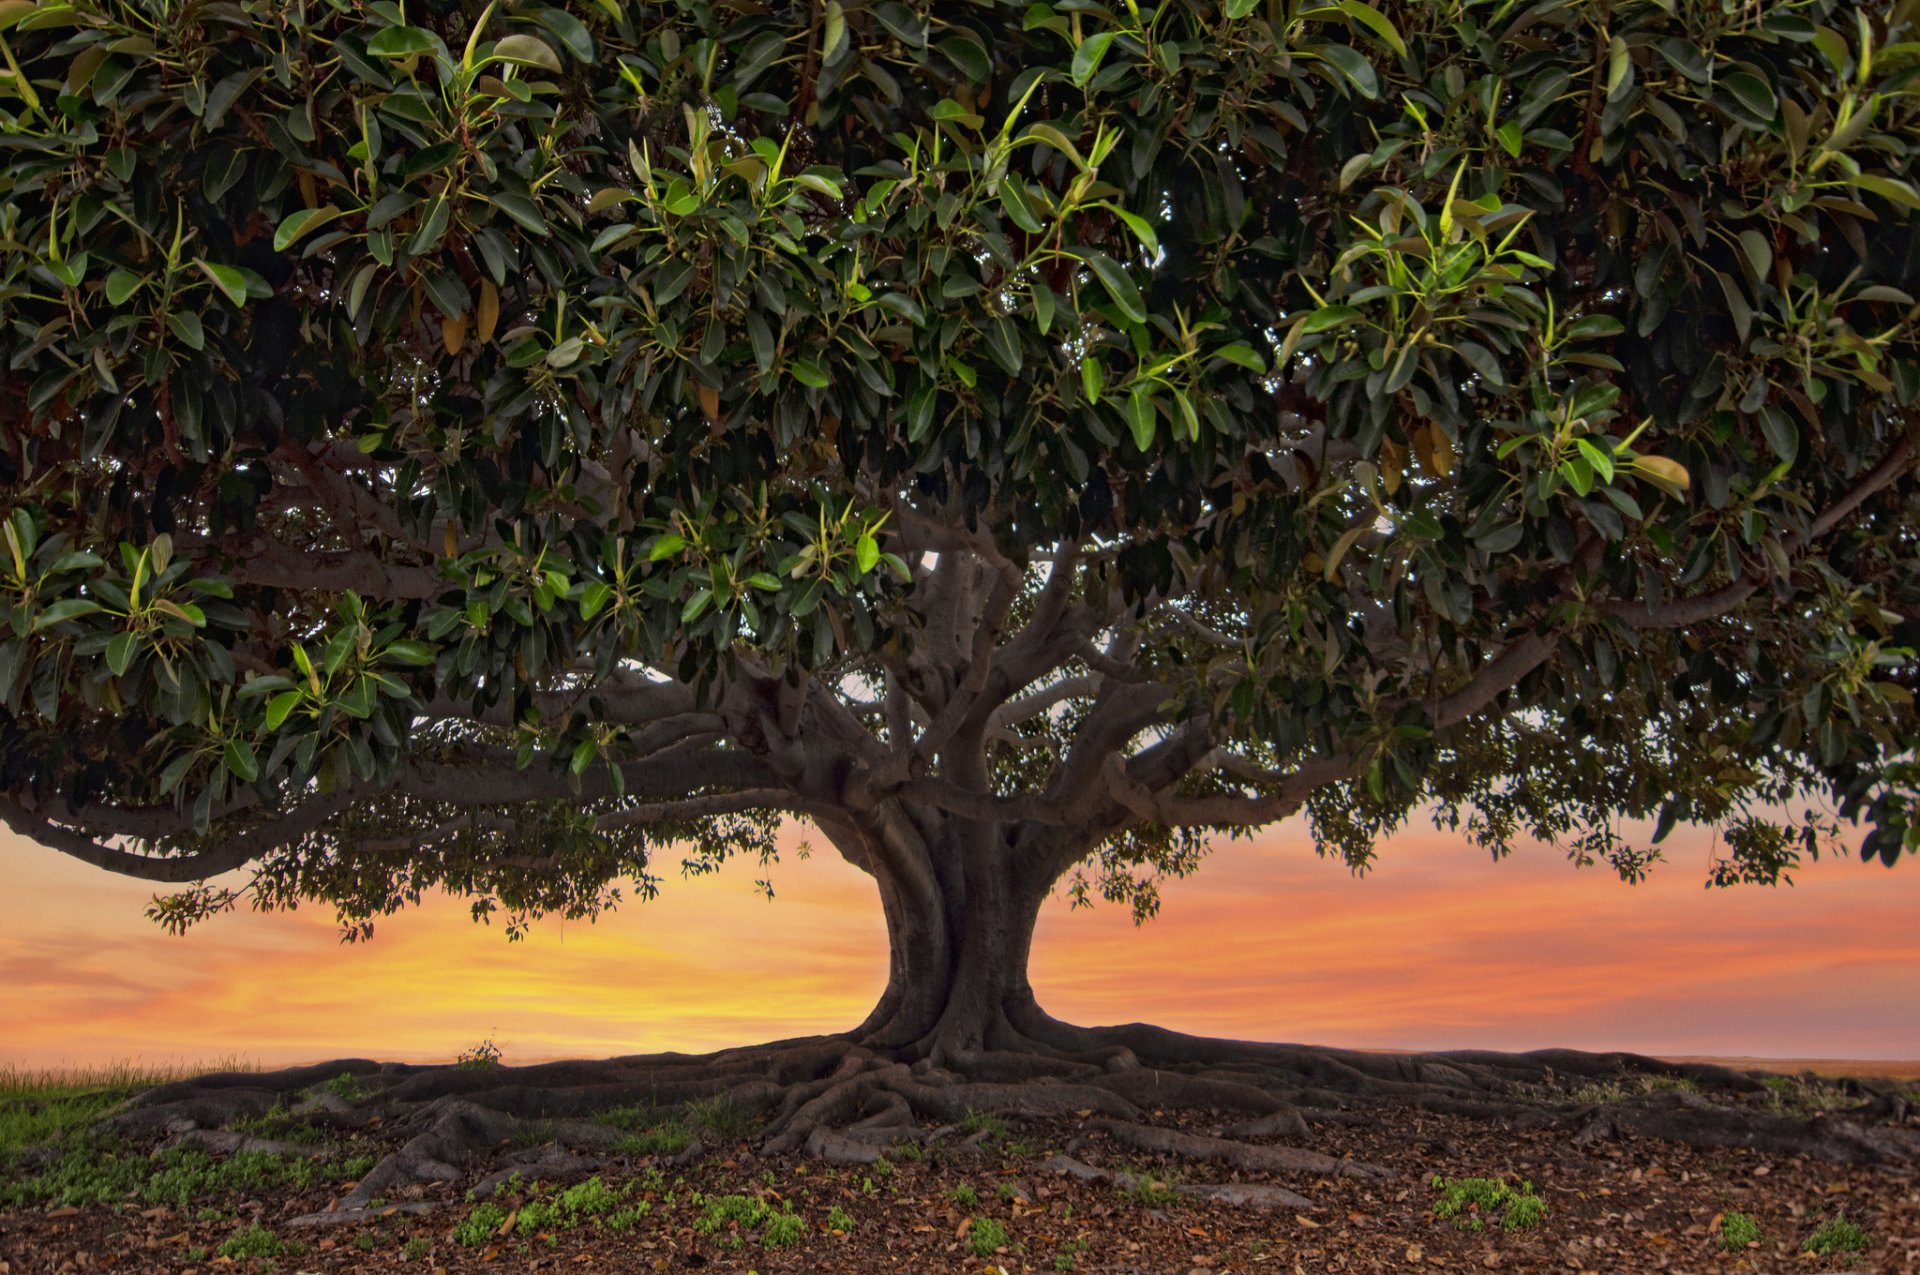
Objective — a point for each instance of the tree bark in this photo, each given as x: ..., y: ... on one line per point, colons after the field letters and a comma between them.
x: 959, y: 936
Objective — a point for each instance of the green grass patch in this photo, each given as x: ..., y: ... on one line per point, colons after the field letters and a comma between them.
x: 964, y: 1195
x: 258, y: 1241
x: 720, y: 1116
x: 1838, y: 1235
x: 39, y: 1105
x: 778, y: 1228
x: 986, y: 1237
x: 1737, y: 1230
x: 90, y: 1170
x: 480, y: 1224
x: 1471, y: 1202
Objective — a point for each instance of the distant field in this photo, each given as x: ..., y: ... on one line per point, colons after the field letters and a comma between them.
x: 1870, y: 1067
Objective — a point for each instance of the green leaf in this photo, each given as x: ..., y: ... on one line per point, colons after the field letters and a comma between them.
x: 401, y: 42
x: 1510, y: 138
x: 1752, y: 94
x: 1119, y: 285
x: 281, y: 705
x: 186, y: 326
x: 583, y: 754
x: 521, y: 208
x: 1333, y: 316
x: 120, y: 653
x: 1375, y: 21
x: 527, y: 50
x: 1051, y: 136
x: 122, y: 284
x: 920, y: 413
x: 594, y: 598
x: 1138, y: 225
x: 1243, y: 355
x: 1595, y: 325
x: 1086, y: 58
x: 1013, y: 198
x: 229, y: 280
x: 62, y: 611
x: 1352, y: 65
x: 1601, y: 461
x: 1888, y: 188
x: 1783, y: 437
x: 300, y: 223
x: 666, y: 546
x: 239, y: 757
x: 807, y: 372
x: 1141, y: 416
x: 866, y: 553
x: 1237, y: 9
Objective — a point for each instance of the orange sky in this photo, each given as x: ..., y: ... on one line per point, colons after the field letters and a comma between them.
x: 1437, y: 948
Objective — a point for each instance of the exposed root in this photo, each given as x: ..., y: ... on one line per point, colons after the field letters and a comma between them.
x: 1246, y: 1156
x: 848, y: 1103
x: 1687, y: 1117
x: 1257, y: 1195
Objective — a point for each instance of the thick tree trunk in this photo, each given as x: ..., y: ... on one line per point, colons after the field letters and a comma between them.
x: 958, y: 947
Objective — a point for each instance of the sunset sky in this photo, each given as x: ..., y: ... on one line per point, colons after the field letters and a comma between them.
x: 1437, y: 948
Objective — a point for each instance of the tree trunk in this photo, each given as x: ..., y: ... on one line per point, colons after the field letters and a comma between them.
x: 958, y: 942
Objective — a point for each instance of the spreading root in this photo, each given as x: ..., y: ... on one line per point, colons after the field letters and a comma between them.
x: 1243, y: 1110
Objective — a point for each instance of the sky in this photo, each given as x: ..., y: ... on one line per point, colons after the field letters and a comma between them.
x: 1437, y: 947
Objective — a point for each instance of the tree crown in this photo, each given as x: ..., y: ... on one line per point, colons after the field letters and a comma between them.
x: 471, y: 446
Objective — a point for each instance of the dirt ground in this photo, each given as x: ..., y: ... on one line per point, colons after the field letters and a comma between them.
x: 1612, y: 1208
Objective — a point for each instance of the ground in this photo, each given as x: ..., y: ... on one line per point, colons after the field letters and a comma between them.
x: 690, y: 1187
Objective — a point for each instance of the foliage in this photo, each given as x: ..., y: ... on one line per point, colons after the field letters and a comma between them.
x: 1838, y: 1235
x: 256, y: 1241
x: 479, y: 447
x: 480, y: 1224
x: 479, y: 1057
x: 1472, y: 1202
x: 1737, y: 1230
x: 986, y: 1236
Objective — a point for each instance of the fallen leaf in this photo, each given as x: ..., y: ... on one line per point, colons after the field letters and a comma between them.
x: 1306, y: 1221
x: 1413, y: 1252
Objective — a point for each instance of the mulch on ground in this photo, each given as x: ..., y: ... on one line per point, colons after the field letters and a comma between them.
x: 1612, y: 1208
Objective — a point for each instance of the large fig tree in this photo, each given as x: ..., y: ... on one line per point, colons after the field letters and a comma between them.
x: 487, y: 448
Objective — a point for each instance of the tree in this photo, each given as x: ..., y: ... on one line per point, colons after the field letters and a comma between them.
x: 480, y: 448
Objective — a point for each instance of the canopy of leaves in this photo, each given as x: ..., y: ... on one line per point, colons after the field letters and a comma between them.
x: 1506, y: 406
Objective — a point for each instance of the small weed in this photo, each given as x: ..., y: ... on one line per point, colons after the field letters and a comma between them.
x: 782, y: 1230
x: 730, y: 1210
x: 479, y: 1225
x: 347, y: 1086
x: 1805, y: 1095
x: 630, y: 1217
x: 1470, y: 1201
x: 1737, y: 1230
x: 986, y: 1236
x: 838, y: 1219
x: 964, y: 1195
x: 1064, y: 1259
x: 1008, y: 1192
x: 281, y: 1126
x: 479, y: 1057
x: 1151, y: 1191
x: 537, y: 1133
x: 415, y: 1249
x: 1838, y: 1235
x: 882, y: 1168
x: 721, y: 1116
x: 255, y: 1241
x: 910, y: 1152
x: 1018, y: 1149
x: 365, y: 1241
x: 984, y: 1122
x: 355, y: 1167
